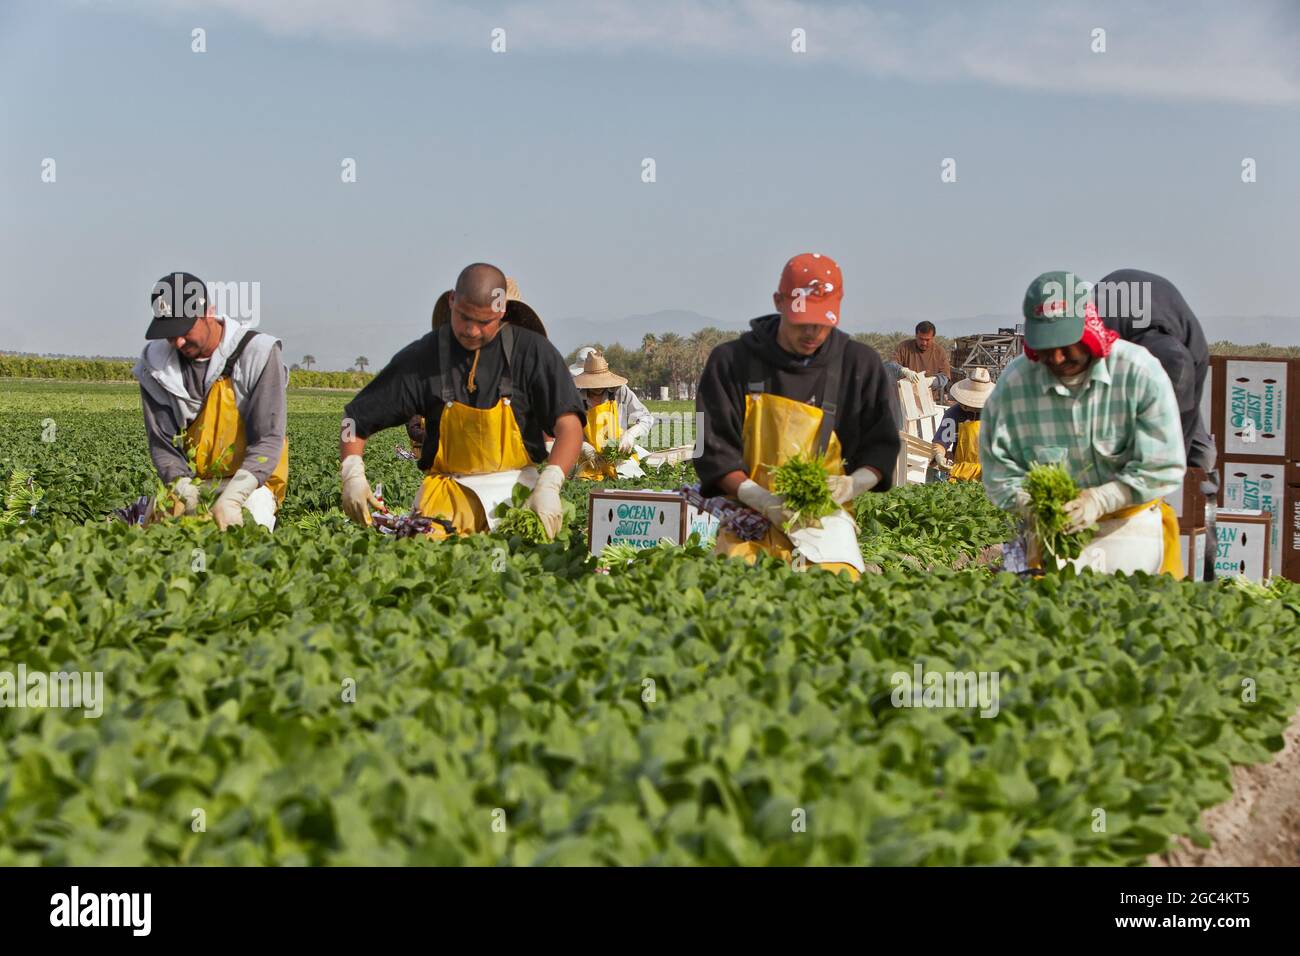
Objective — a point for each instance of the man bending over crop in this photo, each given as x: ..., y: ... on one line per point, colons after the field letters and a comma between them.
x: 795, y: 385
x: 1105, y: 410
x: 487, y: 387
x: 222, y: 386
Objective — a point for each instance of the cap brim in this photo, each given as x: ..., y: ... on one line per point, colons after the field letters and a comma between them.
x: 813, y: 313
x: 1056, y: 335
x: 169, y: 328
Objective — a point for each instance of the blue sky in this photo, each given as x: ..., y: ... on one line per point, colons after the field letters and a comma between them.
x: 227, y: 163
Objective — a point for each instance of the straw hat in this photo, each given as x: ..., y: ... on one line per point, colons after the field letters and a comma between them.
x: 576, y: 370
x: 518, y: 312
x: 974, y: 390
x: 596, y: 374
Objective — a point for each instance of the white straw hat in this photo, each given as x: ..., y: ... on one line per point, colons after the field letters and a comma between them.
x: 974, y: 390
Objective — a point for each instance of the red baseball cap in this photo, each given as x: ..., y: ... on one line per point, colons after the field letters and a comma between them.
x: 812, y: 287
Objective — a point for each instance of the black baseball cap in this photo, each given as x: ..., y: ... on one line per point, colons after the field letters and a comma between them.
x: 178, y: 300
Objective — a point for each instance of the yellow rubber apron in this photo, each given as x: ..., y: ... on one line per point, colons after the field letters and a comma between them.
x: 216, y: 437
x: 481, y: 454
x: 776, y: 429
x: 602, y: 427
x: 966, y: 453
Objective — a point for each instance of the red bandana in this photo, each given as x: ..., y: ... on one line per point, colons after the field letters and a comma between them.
x: 1096, y: 337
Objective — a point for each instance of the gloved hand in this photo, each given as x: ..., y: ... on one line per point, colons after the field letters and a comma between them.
x: 845, y: 488
x: 1093, y: 503
x: 939, y: 455
x: 588, y: 453
x: 545, y: 500
x: 229, y: 509
x: 358, y: 499
x: 770, y: 506
x: 631, y: 437
x: 910, y: 375
x: 186, y: 493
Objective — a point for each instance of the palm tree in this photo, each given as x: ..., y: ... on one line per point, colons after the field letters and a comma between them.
x: 309, y: 361
x: 362, y: 362
x: 648, y: 344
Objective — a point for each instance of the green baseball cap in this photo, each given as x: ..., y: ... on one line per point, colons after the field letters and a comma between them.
x: 1054, y: 310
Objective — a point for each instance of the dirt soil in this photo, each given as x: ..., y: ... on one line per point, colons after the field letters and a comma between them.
x: 1259, y: 825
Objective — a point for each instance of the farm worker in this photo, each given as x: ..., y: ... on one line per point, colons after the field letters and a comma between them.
x: 223, y: 386
x: 487, y: 382
x: 794, y: 384
x: 958, y: 434
x: 1104, y: 409
x: 919, y: 355
x: 1163, y: 323
x: 614, y: 414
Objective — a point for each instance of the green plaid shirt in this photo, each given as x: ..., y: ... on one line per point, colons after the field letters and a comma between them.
x: 1122, y: 425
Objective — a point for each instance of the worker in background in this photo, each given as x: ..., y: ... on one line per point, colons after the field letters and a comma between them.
x: 958, y: 435
x: 1105, y: 410
x: 920, y: 355
x: 487, y: 388
x: 794, y: 384
x: 614, y: 414
x: 223, y: 386
x: 1163, y: 323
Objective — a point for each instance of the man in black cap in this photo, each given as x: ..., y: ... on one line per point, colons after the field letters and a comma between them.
x: 221, y: 387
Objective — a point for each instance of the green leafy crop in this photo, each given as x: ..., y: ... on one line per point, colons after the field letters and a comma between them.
x: 1050, y: 488
x: 801, y: 481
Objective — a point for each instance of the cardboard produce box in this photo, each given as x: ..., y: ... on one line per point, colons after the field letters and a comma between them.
x: 1242, y: 546
x: 638, y: 518
x: 1256, y: 406
x: 1263, y: 485
x: 1192, y: 541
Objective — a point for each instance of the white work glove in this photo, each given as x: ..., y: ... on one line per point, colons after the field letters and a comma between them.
x: 939, y: 455
x: 545, y: 500
x: 186, y: 493
x: 358, y: 499
x: 588, y: 453
x: 770, y: 506
x: 229, y: 509
x: 631, y: 437
x: 1023, y: 506
x: 909, y: 374
x: 846, y: 488
x: 1085, y: 511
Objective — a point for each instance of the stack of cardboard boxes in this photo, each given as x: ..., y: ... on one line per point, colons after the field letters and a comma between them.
x: 1252, y: 407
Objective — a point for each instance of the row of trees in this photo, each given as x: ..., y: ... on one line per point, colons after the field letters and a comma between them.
x: 677, y: 361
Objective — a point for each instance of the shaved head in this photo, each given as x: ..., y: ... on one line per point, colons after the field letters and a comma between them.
x: 479, y: 284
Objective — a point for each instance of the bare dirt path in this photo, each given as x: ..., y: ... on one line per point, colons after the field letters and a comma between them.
x: 1260, y: 824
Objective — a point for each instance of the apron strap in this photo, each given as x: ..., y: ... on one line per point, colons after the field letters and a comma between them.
x: 755, y: 376
x: 507, y: 386
x: 830, y: 393
x: 444, y: 364
x: 234, y: 356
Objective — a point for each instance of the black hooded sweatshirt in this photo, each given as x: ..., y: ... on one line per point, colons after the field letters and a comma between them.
x: 864, y: 419
x: 1170, y: 331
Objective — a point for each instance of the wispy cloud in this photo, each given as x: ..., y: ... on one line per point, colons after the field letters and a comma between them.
x: 1195, y: 49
